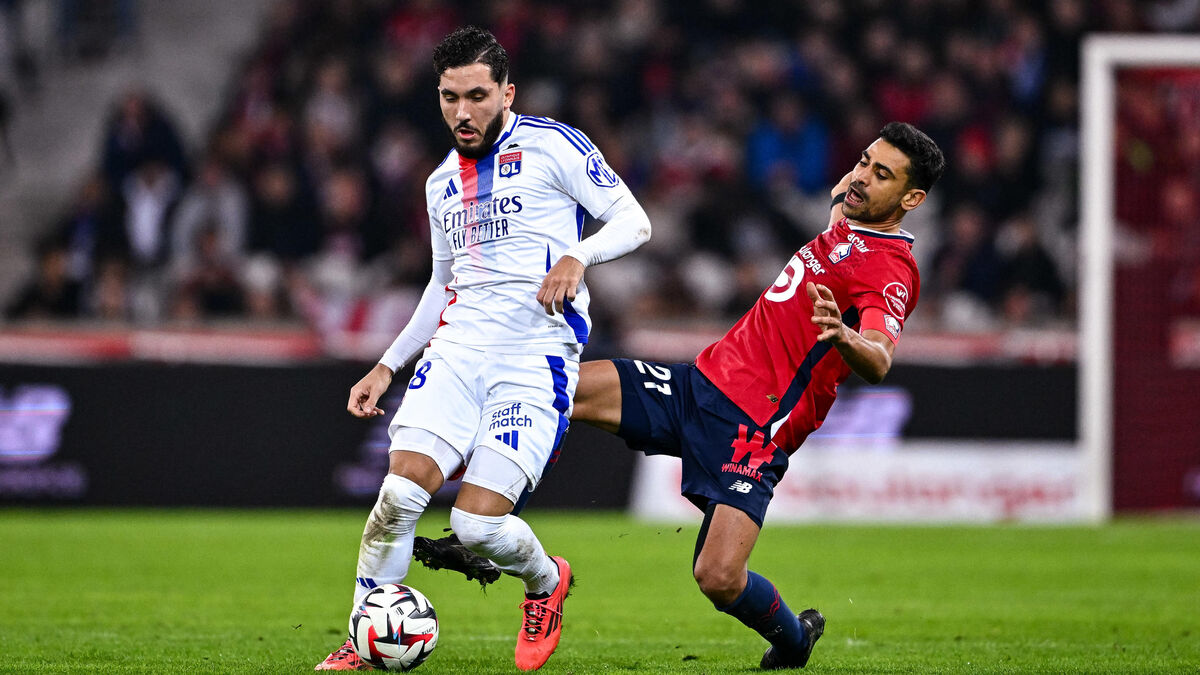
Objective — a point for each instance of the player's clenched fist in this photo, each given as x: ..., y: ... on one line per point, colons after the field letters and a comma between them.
x: 560, y: 283
x: 365, y: 394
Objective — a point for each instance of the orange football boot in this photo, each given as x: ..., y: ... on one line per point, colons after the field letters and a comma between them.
x: 542, y: 624
x: 345, y: 658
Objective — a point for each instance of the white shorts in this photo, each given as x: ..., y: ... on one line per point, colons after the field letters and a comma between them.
x: 516, y: 405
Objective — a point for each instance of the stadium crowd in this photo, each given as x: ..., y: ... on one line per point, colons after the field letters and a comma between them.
x: 729, y: 119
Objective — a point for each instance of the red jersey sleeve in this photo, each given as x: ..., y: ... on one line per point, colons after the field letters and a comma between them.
x: 885, y: 291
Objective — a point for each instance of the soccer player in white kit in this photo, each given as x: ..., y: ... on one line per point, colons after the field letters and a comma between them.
x: 505, y: 319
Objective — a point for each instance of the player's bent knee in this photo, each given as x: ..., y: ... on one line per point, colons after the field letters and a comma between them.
x: 474, y: 531
x: 721, y: 584
x: 399, y: 498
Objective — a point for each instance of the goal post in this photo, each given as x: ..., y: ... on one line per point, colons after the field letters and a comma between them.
x: 1103, y: 56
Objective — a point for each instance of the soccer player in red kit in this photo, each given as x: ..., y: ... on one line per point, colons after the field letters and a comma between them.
x: 752, y: 397
x: 736, y: 415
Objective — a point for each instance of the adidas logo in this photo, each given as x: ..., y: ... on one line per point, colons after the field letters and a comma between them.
x: 450, y: 191
x: 508, y: 438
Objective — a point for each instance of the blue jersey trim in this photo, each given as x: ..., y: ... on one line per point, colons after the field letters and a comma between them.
x: 584, y: 147
x: 558, y: 374
x: 803, y: 375
x: 505, y: 135
x: 576, y: 322
x: 906, y: 236
x: 582, y: 150
x: 567, y: 128
x: 561, y: 403
x: 483, y: 180
x: 580, y: 212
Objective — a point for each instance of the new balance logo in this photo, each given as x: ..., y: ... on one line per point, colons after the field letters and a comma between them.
x: 508, y: 438
x: 450, y: 191
x: 741, y: 486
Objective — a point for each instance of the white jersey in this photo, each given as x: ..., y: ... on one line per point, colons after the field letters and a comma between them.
x: 503, y: 221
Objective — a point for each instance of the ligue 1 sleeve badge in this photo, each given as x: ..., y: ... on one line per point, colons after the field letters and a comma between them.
x: 893, y: 325
x: 510, y: 164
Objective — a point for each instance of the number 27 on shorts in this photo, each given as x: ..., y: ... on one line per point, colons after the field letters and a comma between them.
x: 658, y: 372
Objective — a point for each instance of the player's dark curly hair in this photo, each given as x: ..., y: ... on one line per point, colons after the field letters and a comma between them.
x: 468, y: 45
x: 925, y: 158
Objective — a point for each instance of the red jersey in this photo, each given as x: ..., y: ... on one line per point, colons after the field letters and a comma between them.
x: 770, y: 363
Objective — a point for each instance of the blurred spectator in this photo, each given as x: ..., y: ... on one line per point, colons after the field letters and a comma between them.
x: 396, y: 159
x: 967, y: 268
x: 1179, y: 242
x: 215, y: 200
x: 1172, y: 15
x: 1024, y: 55
x: 1067, y: 21
x: 789, y: 149
x: 206, y: 278
x: 1122, y: 16
x: 905, y: 94
x: 20, y: 54
x: 332, y: 114
x: 399, y: 93
x: 52, y: 294
x: 139, y: 132
x: 1015, y: 172
x: 348, y: 230
x: 264, y: 288
x: 93, y: 228
x: 91, y: 28
x: 112, y: 299
x: 150, y: 193
x: 1032, y: 290
x: 282, y: 223
x: 949, y: 110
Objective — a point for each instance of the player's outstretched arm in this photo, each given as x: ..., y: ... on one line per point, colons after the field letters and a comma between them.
x: 869, y: 355
x: 365, y: 395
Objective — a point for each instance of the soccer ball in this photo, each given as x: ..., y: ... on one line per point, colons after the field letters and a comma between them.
x: 394, y: 628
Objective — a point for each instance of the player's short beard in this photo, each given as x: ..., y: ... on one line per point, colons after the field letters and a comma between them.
x: 490, y: 134
x: 864, y: 213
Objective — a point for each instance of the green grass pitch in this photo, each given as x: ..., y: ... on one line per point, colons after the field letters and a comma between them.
x: 85, y: 591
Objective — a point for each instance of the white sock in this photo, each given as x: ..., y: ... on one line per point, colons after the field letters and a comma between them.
x: 387, y: 540
x: 508, y: 542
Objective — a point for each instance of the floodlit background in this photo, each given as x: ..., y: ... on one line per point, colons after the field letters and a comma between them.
x: 212, y: 222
